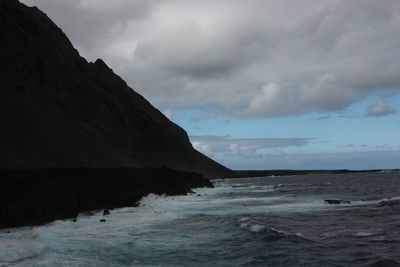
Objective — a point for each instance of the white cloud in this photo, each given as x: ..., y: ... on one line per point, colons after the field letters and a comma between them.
x: 379, y: 108
x: 242, y: 58
x: 244, y: 147
x: 269, y: 153
x: 346, y: 160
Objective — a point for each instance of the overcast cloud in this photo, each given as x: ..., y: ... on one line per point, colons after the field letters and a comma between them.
x: 252, y: 58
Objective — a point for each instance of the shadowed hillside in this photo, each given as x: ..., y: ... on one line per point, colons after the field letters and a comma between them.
x: 58, y: 110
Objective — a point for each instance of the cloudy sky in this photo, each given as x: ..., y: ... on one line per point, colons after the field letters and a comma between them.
x: 258, y: 84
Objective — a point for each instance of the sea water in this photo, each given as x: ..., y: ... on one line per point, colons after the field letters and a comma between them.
x: 271, y: 221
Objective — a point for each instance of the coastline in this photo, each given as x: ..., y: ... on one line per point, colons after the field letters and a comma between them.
x: 36, y: 197
x: 269, y: 173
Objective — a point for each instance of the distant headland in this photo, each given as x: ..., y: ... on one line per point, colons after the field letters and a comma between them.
x: 266, y: 173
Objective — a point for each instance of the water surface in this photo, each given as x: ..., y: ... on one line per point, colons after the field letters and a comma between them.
x: 275, y: 221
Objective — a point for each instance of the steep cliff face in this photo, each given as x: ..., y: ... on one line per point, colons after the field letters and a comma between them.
x: 58, y: 110
x: 33, y: 197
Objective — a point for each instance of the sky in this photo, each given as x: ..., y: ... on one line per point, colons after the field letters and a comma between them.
x: 257, y: 84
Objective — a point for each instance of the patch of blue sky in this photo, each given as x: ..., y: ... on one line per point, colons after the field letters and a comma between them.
x: 348, y: 130
x: 337, y: 139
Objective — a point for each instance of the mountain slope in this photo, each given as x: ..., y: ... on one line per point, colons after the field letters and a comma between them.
x: 58, y: 110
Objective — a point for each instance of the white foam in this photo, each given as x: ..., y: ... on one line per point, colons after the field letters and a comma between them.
x: 137, y: 222
x: 244, y: 219
x: 244, y: 225
x: 256, y: 228
x: 365, y: 234
x: 374, y: 202
x: 252, y: 227
x: 18, y: 244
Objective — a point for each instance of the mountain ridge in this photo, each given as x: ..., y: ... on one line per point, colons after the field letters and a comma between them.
x: 58, y: 110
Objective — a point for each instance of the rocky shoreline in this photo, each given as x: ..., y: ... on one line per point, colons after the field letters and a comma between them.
x: 34, y: 197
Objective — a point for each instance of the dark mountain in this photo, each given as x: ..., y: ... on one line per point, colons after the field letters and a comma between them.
x: 59, y: 111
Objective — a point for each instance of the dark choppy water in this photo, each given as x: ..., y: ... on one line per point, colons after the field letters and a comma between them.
x: 278, y: 221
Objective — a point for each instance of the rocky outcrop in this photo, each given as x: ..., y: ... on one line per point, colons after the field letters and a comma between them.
x: 337, y: 201
x: 59, y: 111
x: 34, y: 197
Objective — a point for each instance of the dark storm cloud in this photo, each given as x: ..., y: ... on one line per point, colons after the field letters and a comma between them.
x: 92, y: 25
x: 241, y: 58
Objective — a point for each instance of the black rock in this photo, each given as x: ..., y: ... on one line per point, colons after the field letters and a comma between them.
x: 106, y: 212
x: 102, y: 220
x: 337, y: 201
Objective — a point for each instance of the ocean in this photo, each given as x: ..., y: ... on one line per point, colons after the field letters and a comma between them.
x: 270, y: 221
